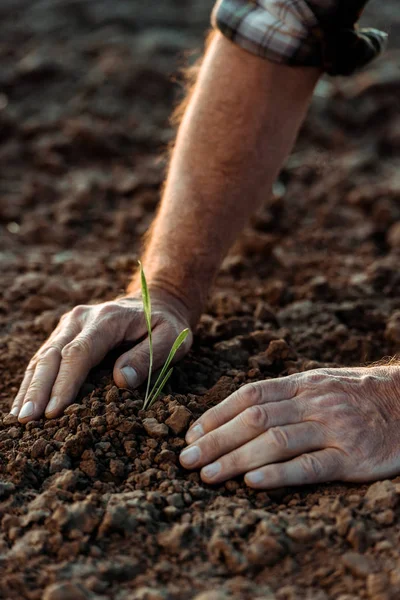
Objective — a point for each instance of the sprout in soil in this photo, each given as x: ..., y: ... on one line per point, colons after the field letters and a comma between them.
x: 165, y: 374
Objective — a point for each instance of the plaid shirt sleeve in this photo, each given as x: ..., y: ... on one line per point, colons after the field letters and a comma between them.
x: 315, y: 33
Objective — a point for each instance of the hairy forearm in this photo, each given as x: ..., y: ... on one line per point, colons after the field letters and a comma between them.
x: 239, y: 125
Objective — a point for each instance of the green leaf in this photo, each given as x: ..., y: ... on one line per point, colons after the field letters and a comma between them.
x: 176, y: 345
x: 147, y: 314
x: 160, y: 387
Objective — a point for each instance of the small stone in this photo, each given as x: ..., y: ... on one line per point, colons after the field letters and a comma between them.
x: 117, y: 467
x: 376, y: 584
x: 112, y: 395
x: 14, y: 433
x: 147, y: 593
x: 381, y: 494
x: 10, y: 420
x: 154, y: 428
x: 279, y: 350
x: 386, y: 517
x: 117, y: 519
x: 66, y: 591
x: 344, y: 520
x: 179, y: 419
x: 59, y: 462
x: 265, y: 551
x: 89, y: 467
x: 175, y: 538
x: 6, y: 489
x: 288, y: 592
x: 357, y: 564
x: 264, y: 312
x: 301, y: 533
x: 82, y: 516
x: 38, y: 448
x: 357, y: 537
x: 176, y: 500
x: 67, y: 480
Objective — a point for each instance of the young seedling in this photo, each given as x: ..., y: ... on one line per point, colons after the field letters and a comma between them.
x: 166, y: 372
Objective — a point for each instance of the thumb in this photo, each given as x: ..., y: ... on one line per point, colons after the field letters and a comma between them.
x: 132, y: 368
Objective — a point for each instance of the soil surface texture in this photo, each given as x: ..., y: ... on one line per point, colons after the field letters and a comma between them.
x: 94, y: 505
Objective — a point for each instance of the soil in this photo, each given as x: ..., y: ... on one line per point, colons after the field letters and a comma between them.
x: 94, y: 505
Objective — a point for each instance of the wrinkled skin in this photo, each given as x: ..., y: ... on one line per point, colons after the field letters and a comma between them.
x: 82, y: 339
x: 322, y: 425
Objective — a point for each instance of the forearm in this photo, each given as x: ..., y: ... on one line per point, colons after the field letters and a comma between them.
x: 238, y: 128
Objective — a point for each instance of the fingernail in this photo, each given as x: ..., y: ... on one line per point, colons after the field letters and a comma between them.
x: 212, y: 470
x: 130, y: 376
x: 194, y: 434
x: 14, y: 411
x: 255, y: 477
x: 52, y: 405
x: 26, y: 410
x: 190, y: 456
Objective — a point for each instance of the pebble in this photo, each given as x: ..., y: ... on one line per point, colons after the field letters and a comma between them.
x: 66, y: 591
x: 377, y: 583
x: 381, y: 494
x: 38, y: 448
x: 174, y: 539
x: 10, y: 420
x: 303, y: 533
x: 59, y: 462
x: 358, y: 564
x: 154, y: 428
x: 112, y: 395
x: 6, y: 489
x: 147, y: 593
x: 179, y: 419
x: 212, y: 595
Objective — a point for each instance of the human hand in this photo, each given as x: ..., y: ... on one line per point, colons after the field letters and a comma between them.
x: 82, y: 339
x: 322, y: 425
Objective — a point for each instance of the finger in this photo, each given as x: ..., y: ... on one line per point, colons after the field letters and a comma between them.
x: 40, y: 385
x: 317, y: 467
x: 77, y: 358
x: 19, y: 398
x: 246, y: 426
x: 48, y: 357
x: 276, y: 445
x: 132, y: 368
x: 271, y: 390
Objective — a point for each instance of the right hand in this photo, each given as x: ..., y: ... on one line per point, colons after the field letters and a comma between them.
x: 82, y: 339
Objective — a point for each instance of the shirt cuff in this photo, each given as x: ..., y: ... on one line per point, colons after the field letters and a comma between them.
x: 315, y: 33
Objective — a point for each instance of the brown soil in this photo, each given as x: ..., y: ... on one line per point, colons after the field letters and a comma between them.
x: 94, y: 505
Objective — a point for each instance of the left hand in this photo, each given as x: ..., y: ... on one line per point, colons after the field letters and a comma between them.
x: 322, y: 425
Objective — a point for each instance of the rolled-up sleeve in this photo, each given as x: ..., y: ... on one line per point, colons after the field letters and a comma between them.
x: 315, y: 33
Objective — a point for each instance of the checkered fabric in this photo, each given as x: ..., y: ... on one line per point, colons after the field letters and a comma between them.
x: 317, y: 33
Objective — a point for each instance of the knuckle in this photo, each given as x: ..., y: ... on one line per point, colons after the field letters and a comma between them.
x: 32, y: 365
x: 279, y: 438
x: 107, y: 309
x: 316, y: 376
x: 78, y: 311
x: 48, y: 353
x: 255, y: 417
x: 311, y: 467
x: 368, y: 381
x: 77, y: 348
x: 251, y: 393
